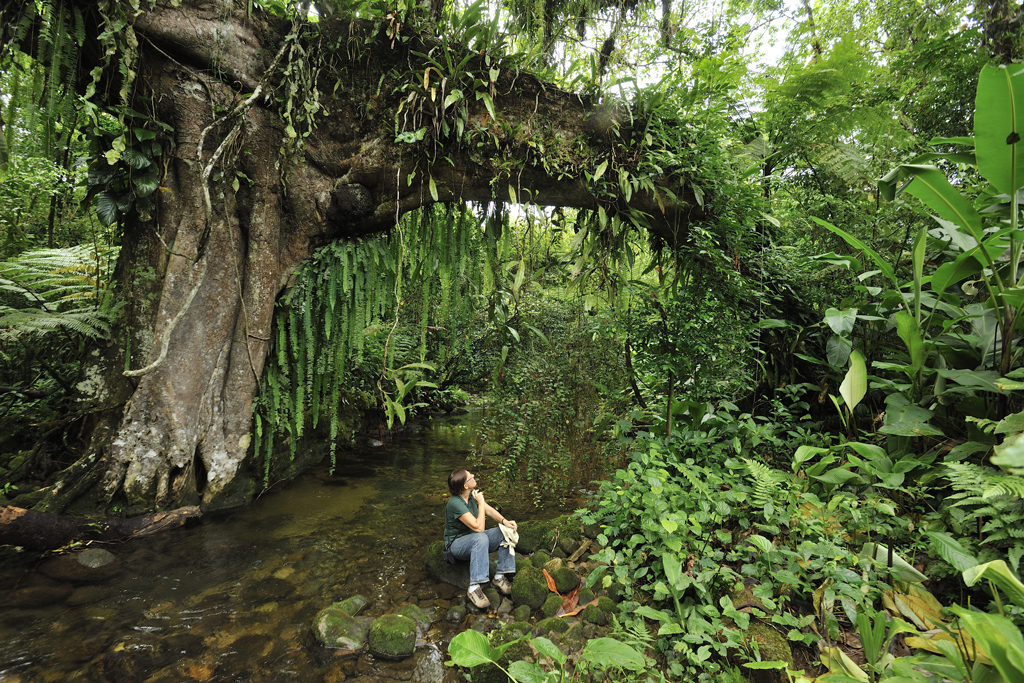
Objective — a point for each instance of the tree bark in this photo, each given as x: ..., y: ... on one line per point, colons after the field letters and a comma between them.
x: 200, y: 283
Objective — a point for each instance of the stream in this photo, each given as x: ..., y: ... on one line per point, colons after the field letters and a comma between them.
x: 233, y: 597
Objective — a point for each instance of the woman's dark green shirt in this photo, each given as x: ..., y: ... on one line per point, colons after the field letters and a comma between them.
x: 453, y: 526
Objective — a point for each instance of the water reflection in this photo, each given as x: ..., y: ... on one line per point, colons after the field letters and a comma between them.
x: 233, y: 598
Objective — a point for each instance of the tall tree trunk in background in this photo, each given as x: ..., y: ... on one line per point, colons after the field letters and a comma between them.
x: 200, y: 281
x: 1002, y: 30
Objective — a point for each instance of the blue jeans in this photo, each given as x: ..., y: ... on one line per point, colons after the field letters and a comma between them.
x: 476, y: 547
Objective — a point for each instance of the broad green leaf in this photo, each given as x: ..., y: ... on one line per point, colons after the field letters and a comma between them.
x: 147, y: 183
x: 855, y: 384
x: 488, y: 102
x: 549, y: 649
x: 841, y: 322
x: 433, y: 189
x: 608, y: 653
x: 673, y: 567
x: 528, y: 672
x: 908, y: 330
x: 868, y: 450
x: 839, y: 477
x: 932, y: 187
x: 999, y: 125
x: 650, y: 613
x: 838, y: 662
x: 805, y: 453
x: 837, y: 351
x: 1009, y: 455
x: 998, y: 637
x: 882, y: 264
x: 981, y: 379
x: 951, y: 551
x: 910, y: 428
x: 670, y: 526
x: 767, y: 665
x: 106, y: 208
x: 952, y: 272
x: 918, y: 259
x: 599, y: 171
x: 998, y: 573
x: 762, y: 543
x: 470, y: 648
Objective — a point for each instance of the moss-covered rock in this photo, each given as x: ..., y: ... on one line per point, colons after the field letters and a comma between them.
x: 553, y: 565
x: 566, y: 580
x: 492, y: 448
x: 530, y: 588
x: 607, y: 605
x: 768, y: 645
x: 333, y: 627
x: 551, y: 605
x: 521, y: 613
x: 551, y: 625
x: 392, y: 636
x: 534, y: 535
x: 540, y: 558
x: 418, y: 617
x: 585, y: 596
x: 592, y: 614
x: 455, y: 574
x: 352, y: 606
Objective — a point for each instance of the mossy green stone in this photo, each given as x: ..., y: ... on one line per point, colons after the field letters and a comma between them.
x: 607, y: 605
x: 565, y: 580
x: 418, y: 616
x: 392, y: 637
x: 534, y: 535
x: 770, y: 646
x: 552, y: 625
x: 521, y: 613
x: 530, y: 588
x: 352, y: 606
x: 592, y: 614
x: 540, y: 558
x: 335, y: 628
x: 551, y: 605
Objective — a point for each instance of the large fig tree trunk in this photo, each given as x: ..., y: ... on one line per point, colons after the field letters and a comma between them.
x: 200, y: 278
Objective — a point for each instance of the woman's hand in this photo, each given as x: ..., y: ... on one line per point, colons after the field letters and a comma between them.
x: 511, y: 524
x: 479, y: 495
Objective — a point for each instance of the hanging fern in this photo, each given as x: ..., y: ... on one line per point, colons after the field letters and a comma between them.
x: 345, y: 291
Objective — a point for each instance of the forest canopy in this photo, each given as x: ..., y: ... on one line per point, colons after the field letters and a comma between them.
x: 747, y: 272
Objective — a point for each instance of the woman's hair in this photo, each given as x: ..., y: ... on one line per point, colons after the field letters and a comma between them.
x: 456, y: 481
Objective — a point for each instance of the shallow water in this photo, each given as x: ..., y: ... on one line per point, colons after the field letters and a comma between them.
x: 233, y: 598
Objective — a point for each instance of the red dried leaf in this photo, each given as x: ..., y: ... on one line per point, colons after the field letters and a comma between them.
x: 551, y: 583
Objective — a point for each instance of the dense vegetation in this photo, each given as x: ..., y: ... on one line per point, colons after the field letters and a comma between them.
x: 802, y: 412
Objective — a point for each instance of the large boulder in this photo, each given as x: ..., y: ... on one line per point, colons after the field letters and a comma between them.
x: 534, y: 535
x: 455, y: 574
x: 89, y: 566
x: 392, y: 636
x: 530, y: 587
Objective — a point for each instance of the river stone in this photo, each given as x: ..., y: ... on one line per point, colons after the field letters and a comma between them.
x: 418, y: 617
x: 456, y: 614
x: 455, y: 574
x: 592, y: 614
x: 553, y: 565
x: 36, y: 596
x: 87, y: 595
x: 533, y: 535
x: 352, y: 606
x: 530, y: 588
x: 72, y: 568
x: 565, y: 580
x: 267, y: 590
x: 551, y: 605
x: 335, y: 628
x: 392, y: 637
x: 521, y: 613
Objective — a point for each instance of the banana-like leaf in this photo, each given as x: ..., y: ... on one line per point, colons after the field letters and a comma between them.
x: 838, y: 662
x: 909, y: 331
x: 938, y: 640
x: 998, y: 573
x: 882, y: 264
x: 901, y: 569
x: 999, y: 638
x: 999, y: 125
x: 932, y: 187
x: 855, y: 384
x: 951, y: 551
x: 920, y: 607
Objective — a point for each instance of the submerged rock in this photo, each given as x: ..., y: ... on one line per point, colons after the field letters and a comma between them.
x: 90, y: 566
x: 36, y: 596
x: 393, y: 636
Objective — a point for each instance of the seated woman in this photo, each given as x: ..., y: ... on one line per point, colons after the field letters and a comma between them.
x: 467, y: 539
